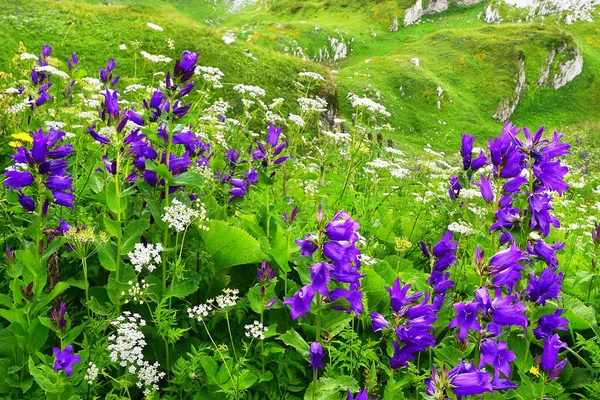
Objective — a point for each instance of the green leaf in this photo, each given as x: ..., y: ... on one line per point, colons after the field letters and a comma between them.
x: 58, y: 289
x: 293, y: 338
x: 210, y: 368
x: 278, y: 249
x: 39, y: 377
x: 184, y: 287
x: 107, y: 256
x: 133, y: 231
x: 229, y: 245
x: 448, y: 355
x: 580, y: 316
x: 161, y: 170
x: 112, y: 227
x: 189, y: 179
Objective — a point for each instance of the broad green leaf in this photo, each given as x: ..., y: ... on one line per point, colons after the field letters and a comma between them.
x: 133, y: 231
x: 210, y: 368
x: 58, y: 289
x: 107, y: 256
x: 189, y: 179
x: 184, y: 287
x: 580, y: 316
x: 112, y: 227
x: 229, y: 245
x: 40, y: 377
x: 293, y: 338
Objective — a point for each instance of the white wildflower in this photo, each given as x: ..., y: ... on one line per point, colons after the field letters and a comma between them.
x: 178, y: 216
x: 311, y: 76
x: 296, y: 119
x: 228, y: 298
x: 145, y: 256
x: 252, y: 91
x: 49, y: 69
x: 365, y: 102
x: 461, y: 227
x: 312, y: 105
x: 91, y: 373
x: 200, y: 311
x: 122, y: 46
x: 155, y: 58
x: 28, y: 56
x: 256, y: 330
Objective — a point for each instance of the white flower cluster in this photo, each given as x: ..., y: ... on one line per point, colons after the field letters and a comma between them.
x: 155, y: 58
x: 88, y: 115
x: 256, y: 330
x: 213, y: 75
x: 28, y: 56
x: 311, y: 76
x: 133, y: 88
x: 56, y: 125
x: 202, y: 216
x: 11, y: 90
x: 228, y: 298
x: 136, y: 291
x: 312, y: 105
x: 276, y: 102
x: 92, y: 373
x: 20, y: 107
x: 145, y: 256
x: 49, y: 69
x: 343, y: 137
x: 126, y: 349
x: 252, y: 91
x: 365, y: 102
x: 200, y: 311
x: 219, y: 107
x: 178, y: 216
x: 154, y: 26
x: 296, y: 119
x: 461, y: 227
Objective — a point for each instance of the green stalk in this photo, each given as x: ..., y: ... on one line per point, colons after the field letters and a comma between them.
x: 87, y: 285
x: 166, y: 232
x: 268, y: 205
x: 118, y: 195
x: 318, y: 339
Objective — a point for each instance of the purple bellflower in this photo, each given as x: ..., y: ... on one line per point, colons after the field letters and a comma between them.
x: 65, y: 359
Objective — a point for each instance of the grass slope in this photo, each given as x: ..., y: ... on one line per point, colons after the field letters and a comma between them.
x: 474, y: 63
x: 96, y: 31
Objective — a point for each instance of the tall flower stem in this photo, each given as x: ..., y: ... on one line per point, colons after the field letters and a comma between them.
x: 230, y: 336
x: 268, y: 213
x: 218, y: 351
x: 166, y: 231
x: 318, y: 339
x: 87, y: 285
x: 118, y: 198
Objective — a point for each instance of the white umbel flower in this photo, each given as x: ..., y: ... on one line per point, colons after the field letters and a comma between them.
x: 256, y: 330
x: 178, y: 216
x: 145, y: 256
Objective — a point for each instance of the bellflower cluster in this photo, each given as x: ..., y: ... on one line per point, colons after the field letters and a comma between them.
x: 462, y: 380
x: 46, y: 164
x: 525, y: 172
x: 40, y: 76
x: 58, y: 317
x: 411, y: 322
x: 272, y: 148
x: 341, y: 266
x: 106, y: 74
x: 442, y: 256
x: 470, y: 164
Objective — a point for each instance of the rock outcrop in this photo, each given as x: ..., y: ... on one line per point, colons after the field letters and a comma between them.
x: 508, y: 106
x: 566, y: 69
x: 414, y: 13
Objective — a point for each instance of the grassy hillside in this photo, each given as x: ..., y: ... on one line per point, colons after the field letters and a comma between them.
x: 96, y: 31
x: 475, y: 64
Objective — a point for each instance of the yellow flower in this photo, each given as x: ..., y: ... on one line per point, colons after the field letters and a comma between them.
x: 15, y: 143
x: 22, y: 137
x: 534, y: 371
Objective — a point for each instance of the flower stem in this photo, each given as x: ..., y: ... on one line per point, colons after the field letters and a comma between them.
x: 87, y: 285
x: 218, y: 351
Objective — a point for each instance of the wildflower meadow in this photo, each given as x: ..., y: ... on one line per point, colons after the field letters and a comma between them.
x: 172, y: 232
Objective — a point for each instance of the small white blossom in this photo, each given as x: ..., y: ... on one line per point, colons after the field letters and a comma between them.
x: 28, y: 56
x: 461, y: 227
x: 145, y: 256
x: 312, y: 105
x: 256, y: 330
x: 122, y: 46
x: 296, y: 119
x: 228, y: 298
x: 49, y: 69
x: 229, y: 37
x: 311, y: 76
x: 178, y: 216
x: 155, y: 58
x: 364, y: 102
x: 252, y: 91
x: 200, y: 311
x: 92, y: 373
